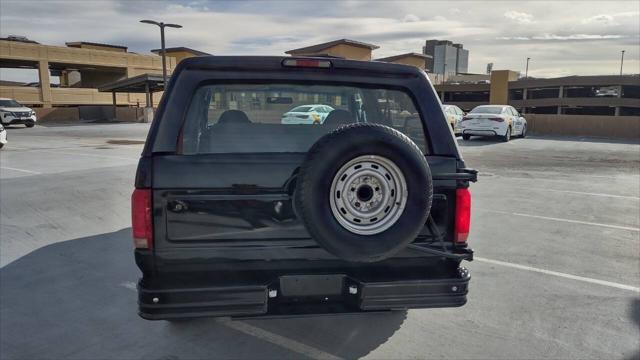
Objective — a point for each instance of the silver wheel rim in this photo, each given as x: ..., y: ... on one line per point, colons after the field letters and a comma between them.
x: 368, y: 195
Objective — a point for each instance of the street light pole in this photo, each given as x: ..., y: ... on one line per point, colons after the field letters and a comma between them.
x: 164, y: 56
x: 621, y: 61
x: 526, y: 70
x: 162, y: 25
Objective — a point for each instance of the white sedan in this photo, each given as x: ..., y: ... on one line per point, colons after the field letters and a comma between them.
x: 3, y: 136
x: 307, y: 114
x: 493, y: 120
x: 454, y: 116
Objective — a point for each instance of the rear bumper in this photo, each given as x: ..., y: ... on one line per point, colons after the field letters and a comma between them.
x: 479, y: 132
x: 297, y: 295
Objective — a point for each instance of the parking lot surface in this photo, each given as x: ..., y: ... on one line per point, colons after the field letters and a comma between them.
x: 555, y: 228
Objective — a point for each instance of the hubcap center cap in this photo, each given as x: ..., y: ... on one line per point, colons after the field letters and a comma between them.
x: 364, y: 193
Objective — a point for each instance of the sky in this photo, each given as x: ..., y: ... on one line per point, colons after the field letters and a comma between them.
x: 562, y: 37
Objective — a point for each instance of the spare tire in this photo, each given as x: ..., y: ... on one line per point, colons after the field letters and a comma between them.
x: 364, y: 192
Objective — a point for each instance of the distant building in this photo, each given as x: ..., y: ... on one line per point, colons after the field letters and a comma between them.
x: 180, y: 53
x: 447, y: 58
x: 344, y: 48
x: 414, y: 59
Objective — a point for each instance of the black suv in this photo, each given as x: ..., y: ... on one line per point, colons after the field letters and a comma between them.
x: 285, y: 186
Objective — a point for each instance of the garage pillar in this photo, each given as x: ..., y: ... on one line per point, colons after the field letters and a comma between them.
x: 148, y: 109
x: 115, y: 105
x: 45, y: 83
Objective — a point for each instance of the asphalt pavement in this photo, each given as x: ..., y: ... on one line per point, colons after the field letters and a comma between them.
x: 555, y: 228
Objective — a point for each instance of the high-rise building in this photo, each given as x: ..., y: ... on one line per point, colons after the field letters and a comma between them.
x: 447, y: 58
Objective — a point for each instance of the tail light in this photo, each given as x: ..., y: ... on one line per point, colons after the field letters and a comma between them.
x: 463, y: 216
x: 141, y: 219
x: 498, y: 119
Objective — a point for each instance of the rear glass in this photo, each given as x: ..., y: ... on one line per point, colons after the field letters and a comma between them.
x: 301, y: 109
x: 487, y: 110
x: 275, y: 118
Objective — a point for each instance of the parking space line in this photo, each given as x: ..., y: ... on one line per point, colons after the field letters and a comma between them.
x: 619, y: 227
x: 590, y: 194
x: 279, y: 340
x: 97, y: 156
x: 559, y: 274
x: 265, y: 335
x: 21, y: 170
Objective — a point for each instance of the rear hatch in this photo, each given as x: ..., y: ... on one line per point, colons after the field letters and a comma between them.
x: 482, y: 121
x: 224, y: 194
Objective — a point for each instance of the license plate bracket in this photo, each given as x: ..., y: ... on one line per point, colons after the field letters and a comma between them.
x: 312, y: 285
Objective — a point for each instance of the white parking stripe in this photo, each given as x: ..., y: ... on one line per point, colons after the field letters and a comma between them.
x: 559, y: 274
x: 588, y: 193
x: 279, y: 340
x: 265, y: 335
x: 21, y: 170
x: 96, y: 156
x: 629, y: 228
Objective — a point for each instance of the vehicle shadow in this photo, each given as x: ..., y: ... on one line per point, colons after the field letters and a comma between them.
x: 635, y: 316
x: 76, y: 299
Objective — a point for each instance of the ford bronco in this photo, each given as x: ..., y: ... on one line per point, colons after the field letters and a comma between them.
x: 237, y: 213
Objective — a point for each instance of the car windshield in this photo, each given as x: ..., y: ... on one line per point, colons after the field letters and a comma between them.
x: 487, y: 110
x: 10, y: 103
x: 301, y: 109
x: 259, y: 118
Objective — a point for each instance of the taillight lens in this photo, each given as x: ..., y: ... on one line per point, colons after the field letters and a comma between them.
x: 498, y: 119
x: 141, y: 220
x: 463, y: 216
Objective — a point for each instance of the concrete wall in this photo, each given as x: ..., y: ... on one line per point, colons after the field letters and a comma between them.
x: 411, y: 60
x: 621, y: 127
x: 102, y: 113
x: 500, y: 86
x: 57, y: 114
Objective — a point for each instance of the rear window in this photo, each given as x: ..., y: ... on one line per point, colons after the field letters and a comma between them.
x: 301, y: 109
x: 277, y: 118
x: 487, y: 110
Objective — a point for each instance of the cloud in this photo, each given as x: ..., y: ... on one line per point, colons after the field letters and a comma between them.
x: 555, y: 37
x: 519, y: 17
x: 560, y: 38
x: 600, y: 19
x: 410, y: 18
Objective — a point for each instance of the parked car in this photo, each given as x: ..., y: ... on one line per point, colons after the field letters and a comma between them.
x: 365, y: 212
x: 12, y: 112
x: 307, y: 114
x: 493, y: 120
x: 454, y: 115
x: 3, y: 136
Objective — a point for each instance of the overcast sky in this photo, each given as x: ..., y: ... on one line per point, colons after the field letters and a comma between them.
x: 562, y: 38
